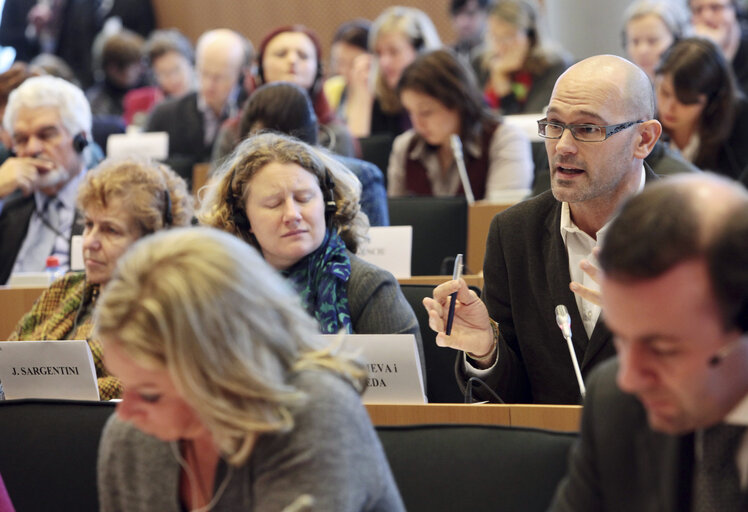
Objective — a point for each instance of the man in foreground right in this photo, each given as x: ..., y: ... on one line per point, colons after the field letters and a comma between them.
x: 664, y: 424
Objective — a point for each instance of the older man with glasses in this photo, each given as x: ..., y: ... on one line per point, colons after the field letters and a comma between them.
x: 718, y: 20
x: 599, y: 128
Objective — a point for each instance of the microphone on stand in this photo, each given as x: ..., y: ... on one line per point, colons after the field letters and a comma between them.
x: 456, y: 145
x: 563, y: 320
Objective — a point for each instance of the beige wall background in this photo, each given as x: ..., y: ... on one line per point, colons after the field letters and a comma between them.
x: 255, y: 18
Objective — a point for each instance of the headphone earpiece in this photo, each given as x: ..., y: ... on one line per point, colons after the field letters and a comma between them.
x: 168, y: 218
x: 80, y: 142
x: 237, y: 214
x: 331, y: 207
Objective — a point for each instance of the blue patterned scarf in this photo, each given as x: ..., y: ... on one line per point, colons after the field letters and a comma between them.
x: 320, y: 278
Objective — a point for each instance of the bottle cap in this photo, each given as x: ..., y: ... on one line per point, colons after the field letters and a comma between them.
x: 52, y: 261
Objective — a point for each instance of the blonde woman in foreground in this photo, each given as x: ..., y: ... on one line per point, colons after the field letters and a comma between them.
x: 230, y: 402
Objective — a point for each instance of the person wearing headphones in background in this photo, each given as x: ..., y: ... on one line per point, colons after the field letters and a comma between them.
x: 396, y: 38
x: 120, y: 201
x: 49, y: 123
x: 300, y: 208
x: 664, y: 423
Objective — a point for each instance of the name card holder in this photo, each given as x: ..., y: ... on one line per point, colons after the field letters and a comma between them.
x: 60, y: 369
x: 390, y: 248
x: 392, y: 364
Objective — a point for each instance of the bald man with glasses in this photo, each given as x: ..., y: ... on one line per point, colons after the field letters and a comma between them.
x: 599, y: 128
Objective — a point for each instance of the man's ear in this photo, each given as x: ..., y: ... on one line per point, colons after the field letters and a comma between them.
x: 649, y: 134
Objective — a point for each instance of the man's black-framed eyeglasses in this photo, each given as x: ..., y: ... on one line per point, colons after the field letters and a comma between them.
x: 581, y: 132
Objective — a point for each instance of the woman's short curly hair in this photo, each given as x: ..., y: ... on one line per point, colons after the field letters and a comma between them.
x: 140, y: 184
x: 227, y: 195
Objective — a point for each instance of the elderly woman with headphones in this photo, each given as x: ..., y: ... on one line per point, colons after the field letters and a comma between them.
x: 120, y: 201
x: 300, y: 208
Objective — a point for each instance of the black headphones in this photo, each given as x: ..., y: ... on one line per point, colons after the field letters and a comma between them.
x: 168, y: 218
x: 239, y: 215
x: 80, y: 142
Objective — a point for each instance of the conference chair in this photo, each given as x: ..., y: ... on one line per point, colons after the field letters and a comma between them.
x: 475, y: 467
x: 441, y: 384
x: 376, y: 149
x: 439, y: 230
x: 48, y: 453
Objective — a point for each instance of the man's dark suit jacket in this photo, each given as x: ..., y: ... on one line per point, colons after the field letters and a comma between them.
x: 14, y: 222
x: 619, y: 463
x: 526, y: 275
x: 184, y: 123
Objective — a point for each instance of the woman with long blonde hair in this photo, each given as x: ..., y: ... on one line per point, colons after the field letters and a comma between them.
x: 231, y: 401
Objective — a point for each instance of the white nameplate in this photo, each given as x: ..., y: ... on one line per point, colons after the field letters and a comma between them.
x: 28, y: 280
x: 76, y: 253
x: 61, y: 369
x: 528, y: 123
x: 153, y: 145
x: 392, y: 364
x: 390, y: 248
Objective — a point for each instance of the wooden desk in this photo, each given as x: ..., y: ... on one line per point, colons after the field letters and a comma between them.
x: 480, y: 215
x: 200, y: 174
x: 14, y: 303
x: 471, y: 280
x: 551, y: 417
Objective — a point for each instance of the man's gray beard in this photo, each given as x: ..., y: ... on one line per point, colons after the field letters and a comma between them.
x: 52, y: 178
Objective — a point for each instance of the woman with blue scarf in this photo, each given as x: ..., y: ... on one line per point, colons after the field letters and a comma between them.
x: 300, y: 208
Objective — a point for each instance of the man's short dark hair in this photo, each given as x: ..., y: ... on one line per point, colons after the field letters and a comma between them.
x: 664, y: 226
x: 281, y: 107
x: 455, y: 6
x: 728, y: 268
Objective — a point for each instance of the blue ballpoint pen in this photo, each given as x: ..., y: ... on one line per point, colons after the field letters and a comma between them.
x: 456, y: 274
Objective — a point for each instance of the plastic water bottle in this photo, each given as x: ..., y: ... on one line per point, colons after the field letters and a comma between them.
x: 53, y: 270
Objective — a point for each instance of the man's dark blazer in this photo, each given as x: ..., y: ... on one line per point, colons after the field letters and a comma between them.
x: 184, y: 123
x: 526, y: 275
x: 14, y: 222
x: 619, y: 463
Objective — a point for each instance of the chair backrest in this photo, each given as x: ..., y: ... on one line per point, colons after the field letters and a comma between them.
x: 439, y: 229
x: 475, y: 467
x: 49, y: 450
x: 376, y: 149
x: 441, y: 383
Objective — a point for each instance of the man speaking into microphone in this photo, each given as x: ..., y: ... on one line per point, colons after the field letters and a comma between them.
x: 599, y: 128
x: 664, y: 425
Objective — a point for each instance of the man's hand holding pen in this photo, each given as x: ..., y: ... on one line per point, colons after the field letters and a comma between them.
x: 471, y: 328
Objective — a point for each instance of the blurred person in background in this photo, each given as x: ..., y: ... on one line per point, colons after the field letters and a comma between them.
x: 517, y: 69
x: 350, y: 41
x: 121, y: 70
x: 702, y: 112
x: 469, y: 19
x: 442, y: 98
x: 171, y: 61
x: 396, y: 38
x: 719, y: 20
x: 49, y: 123
x: 649, y: 28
